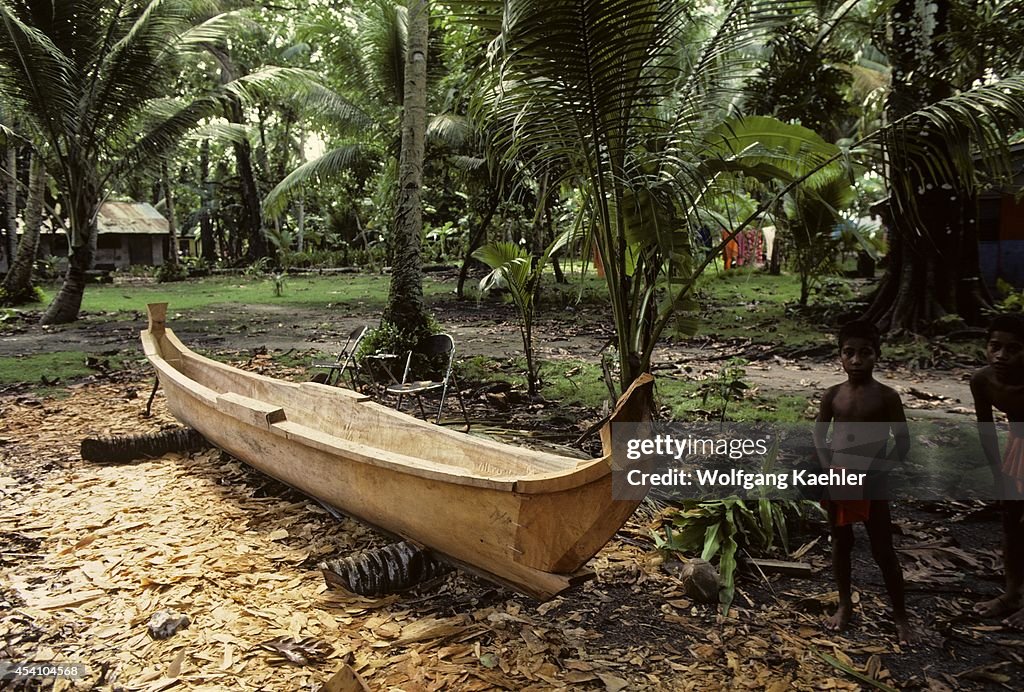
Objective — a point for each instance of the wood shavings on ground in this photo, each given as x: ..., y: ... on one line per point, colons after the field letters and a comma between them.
x: 91, y: 551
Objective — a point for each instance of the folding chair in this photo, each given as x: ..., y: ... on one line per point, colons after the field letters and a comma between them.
x: 428, y: 350
x: 345, y: 362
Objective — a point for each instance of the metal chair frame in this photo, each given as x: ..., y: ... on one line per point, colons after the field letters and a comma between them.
x: 346, y: 360
x: 438, y: 344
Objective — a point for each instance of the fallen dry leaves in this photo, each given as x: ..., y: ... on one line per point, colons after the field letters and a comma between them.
x: 92, y: 551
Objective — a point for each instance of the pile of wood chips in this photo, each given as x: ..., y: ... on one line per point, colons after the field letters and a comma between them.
x: 91, y: 551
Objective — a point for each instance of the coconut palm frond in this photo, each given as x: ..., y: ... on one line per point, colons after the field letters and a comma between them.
x: 766, y: 148
x: 163, y: 137
x: 726, y: 57
x: 382, y: 41
x: 134, y: 67
x: 469, y: 163
x: 302, y: 89
x: 270, y: 83
x: 947, y: 139
x: 220, y: 130
x: 332, y: 107
x: 9, y: 135
x: 450, y: 130
x: 579, y: 79
x: 330, y: 164
x: 216, y: 29
x: 38, y: 72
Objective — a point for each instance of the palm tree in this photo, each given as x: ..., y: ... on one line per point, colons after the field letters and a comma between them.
x: 405, y: 295
x: 368, y: 64
x: 637, y: 104
x: 385, y: 67
x: 630, y: 100
x: 9, y: 183
x: 17, y: 285
x: 933, y: 269
x: 813, y: 211
x: 83, y: 75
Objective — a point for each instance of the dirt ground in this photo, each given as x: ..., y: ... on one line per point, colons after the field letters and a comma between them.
x: 91, y: 551
x: 479, y: 329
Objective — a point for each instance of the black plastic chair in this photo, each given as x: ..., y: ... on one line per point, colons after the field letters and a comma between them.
x: 427, y: 351
x: 344, y: 363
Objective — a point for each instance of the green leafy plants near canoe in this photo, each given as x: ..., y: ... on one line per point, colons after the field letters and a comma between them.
x: 720, y: 529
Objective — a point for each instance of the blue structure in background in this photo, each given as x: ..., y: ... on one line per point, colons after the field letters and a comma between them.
x: 1001, y: 228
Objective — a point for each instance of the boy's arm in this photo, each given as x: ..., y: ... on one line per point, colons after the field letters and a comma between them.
x: 898, y: 424
x: 986, y: 424
x: 821, y: 426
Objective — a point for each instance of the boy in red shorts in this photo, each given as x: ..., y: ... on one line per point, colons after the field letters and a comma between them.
x: 862, y: 412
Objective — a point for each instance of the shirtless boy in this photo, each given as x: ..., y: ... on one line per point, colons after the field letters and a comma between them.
x: 862, y: 412
x: 1001, y: 385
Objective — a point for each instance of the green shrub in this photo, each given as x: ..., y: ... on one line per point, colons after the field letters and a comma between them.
x: 168, y: 273
x: 721, y: 528
x: 196, y: 266
x: 1012, y: 301
x: 389, y: 338
x: 258, y: 268
x: 32, y: 295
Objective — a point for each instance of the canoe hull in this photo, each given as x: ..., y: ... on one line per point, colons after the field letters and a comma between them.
x: 535, y: 542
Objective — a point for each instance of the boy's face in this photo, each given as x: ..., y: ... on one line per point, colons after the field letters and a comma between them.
x: 858, y: 358
x: 1006, y: 356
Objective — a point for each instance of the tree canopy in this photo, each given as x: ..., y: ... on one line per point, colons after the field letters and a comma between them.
x: 646, y: 128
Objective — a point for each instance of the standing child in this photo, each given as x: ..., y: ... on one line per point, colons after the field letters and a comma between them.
x: 1001, y: 385
x: 862, y: 413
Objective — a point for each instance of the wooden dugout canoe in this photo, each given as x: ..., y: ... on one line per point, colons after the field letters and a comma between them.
x: 526, y: 519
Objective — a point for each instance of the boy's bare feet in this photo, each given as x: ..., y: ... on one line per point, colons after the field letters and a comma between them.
x: 907, y: 634
x: 1001, y: 605
x: 1016, y: 620
x: 839, y: 621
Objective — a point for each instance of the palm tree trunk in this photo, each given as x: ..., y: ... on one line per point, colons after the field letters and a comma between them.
x: 405, y: 299
x: 10, y: 179
x: 252, y: 215
x: 68, y: 302
x: 251, y: 220
x: 206, y: 237
x: 933, y: 259
x: 300, y: 204
x: 83, y: 208
x: 17, y: 287
x: 172, y: 226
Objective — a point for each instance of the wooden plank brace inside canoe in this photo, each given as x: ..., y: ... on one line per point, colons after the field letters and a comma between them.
x: 251, y: 411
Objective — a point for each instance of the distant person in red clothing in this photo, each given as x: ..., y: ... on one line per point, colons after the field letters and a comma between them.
x: 731, y: 251
x: 862, y: 412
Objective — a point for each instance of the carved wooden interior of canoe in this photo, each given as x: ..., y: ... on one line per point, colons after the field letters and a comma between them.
x: 524, y: 518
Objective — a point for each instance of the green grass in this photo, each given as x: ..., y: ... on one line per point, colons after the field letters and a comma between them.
x: 686, y: 403
x: 366, y: 291
x: 751, y: 304
x: 62, y: 365
x: 748, y: 285
x: 747, y: 304
x: 586, y: 387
